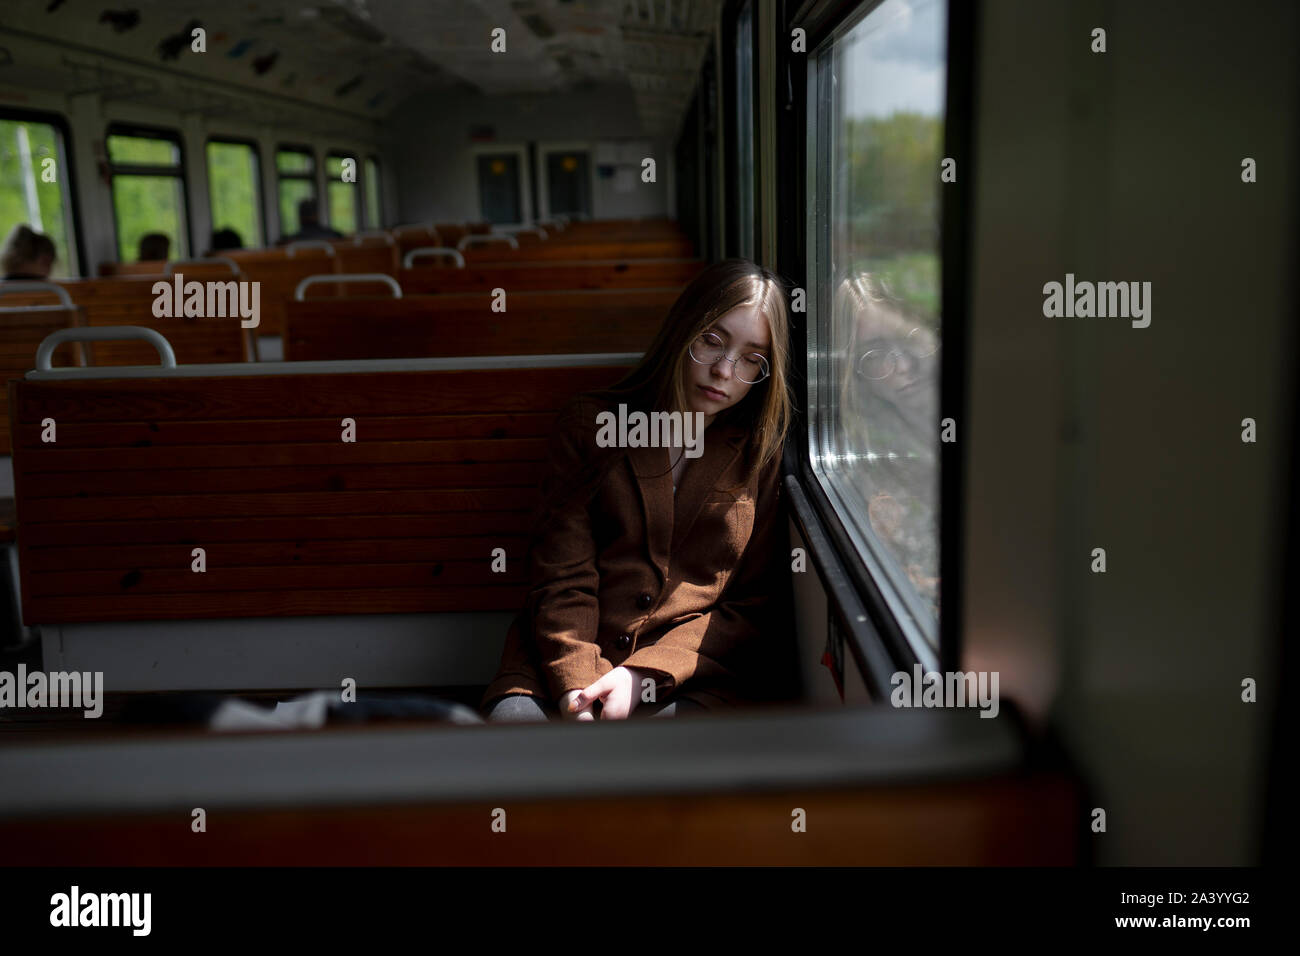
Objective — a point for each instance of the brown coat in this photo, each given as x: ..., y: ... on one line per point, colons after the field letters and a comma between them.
x: 678, y: 584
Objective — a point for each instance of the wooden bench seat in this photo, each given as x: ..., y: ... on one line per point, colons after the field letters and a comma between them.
x: 534, y: 323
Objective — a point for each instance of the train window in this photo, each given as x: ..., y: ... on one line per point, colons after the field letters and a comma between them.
x: 34, y: 181
x: 148, y: 173
x: 234, y: 189
x: 341, y: 196
x: 745, y: 180
x: 296, y: 169
x: 374, y: 199
x: 877, y: 128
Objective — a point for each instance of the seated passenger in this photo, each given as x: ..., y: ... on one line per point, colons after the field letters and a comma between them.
x: 659, y: 563
x: 154, y: 247
x: 27, y: 254
x: 224, y: 239
x: 309, y: 224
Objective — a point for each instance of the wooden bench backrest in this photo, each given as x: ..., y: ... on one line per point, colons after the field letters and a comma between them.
x: 129, y: 301
x: 21, y: 331
x: 293, y: 520
x: 534, y: 323
x: 565, y: 250
x: 436, y: 277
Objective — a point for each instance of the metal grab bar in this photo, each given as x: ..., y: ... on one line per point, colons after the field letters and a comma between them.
x: 33, y: 285
x: 551, y: 223
x: 170, y: 268
x: 520, y: 230
x: 409, y: 259
x: 476, y: 239
x: 360, y: 238
x: 426, y: 227
x: 308, y: 244
x: 110, y: 332
x: 345, y: 277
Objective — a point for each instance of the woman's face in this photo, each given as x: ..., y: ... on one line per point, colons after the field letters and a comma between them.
x: 713, y: 388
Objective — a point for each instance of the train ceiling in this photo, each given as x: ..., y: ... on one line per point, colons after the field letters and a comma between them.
x: 358, y: 57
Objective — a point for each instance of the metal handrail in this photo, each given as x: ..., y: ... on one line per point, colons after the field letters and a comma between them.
x: 359, y: 238
x: 308, y: 244
x: 45, y: 350
x: 33, y: 285
x: 408, y: 261
x: 345, y: 277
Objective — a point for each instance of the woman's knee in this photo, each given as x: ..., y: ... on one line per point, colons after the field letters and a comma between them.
x: 517, y: 708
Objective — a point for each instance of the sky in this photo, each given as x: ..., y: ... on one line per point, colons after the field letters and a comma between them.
x: 894, y: 60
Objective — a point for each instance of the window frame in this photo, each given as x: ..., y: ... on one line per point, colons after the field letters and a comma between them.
x: 260, y: 179
x: 67, y: 163
x: 314, y: 177
x: 181, y: 172
x: 876, y: 638
x: 358, y: 212
x: 731, y: 135
x: 372, y: 158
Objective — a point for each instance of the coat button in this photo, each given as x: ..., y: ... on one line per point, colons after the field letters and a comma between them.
x: 624, y: 641
x: 644, y: 600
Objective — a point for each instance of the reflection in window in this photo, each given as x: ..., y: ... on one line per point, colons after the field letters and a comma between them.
x: 234, y: 190
x: 374, y: 210
x: 745, y: 131
x: 27, y: 194
x: 148, y: 193
x: 342, y: 195
x: 875, y: 393
x: 296, y: 169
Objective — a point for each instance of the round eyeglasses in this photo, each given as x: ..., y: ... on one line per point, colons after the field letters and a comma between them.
x: 751, y: 368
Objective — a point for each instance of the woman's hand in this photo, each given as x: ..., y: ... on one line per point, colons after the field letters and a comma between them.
x: 580, y: 713
x: 618, y: 691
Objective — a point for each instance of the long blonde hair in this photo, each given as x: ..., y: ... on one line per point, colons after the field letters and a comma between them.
x: 655, y: 382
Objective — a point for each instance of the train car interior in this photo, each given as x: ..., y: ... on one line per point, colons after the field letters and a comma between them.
x: 296, y: 292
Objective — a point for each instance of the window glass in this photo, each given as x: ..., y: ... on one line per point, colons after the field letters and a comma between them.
x: 289, y: 162
x: 342, y: 196
x: 26, y: 194
x: 876, y: 334
x: 148, y: 194
x: 234, y: 190
x: 297, y: 182
x: 374, y: 207
x: 745, y: 131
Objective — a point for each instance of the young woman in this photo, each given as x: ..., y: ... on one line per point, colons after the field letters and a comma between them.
x: 653, y: 572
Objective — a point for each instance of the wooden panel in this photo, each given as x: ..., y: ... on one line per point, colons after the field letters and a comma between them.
x: 671, y: 248
x: 20, y: 335
x: 429, y: 278
x: 1026, y: 820
x: 534, y: 323
x: 105, y: 302
x: 380, y: 258
x: 293, y: 520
